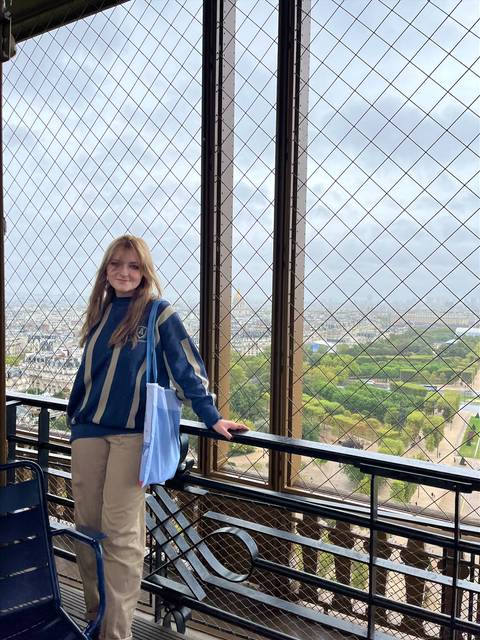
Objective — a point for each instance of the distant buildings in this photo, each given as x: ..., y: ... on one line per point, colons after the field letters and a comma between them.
x: 421, y: 316
x: 46, y: 345
x: 15, y: 345
x: 45, y: 340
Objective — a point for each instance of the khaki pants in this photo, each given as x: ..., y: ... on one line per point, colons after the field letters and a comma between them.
x: 108, y: 498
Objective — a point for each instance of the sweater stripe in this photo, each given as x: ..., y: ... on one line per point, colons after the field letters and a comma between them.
x: 107, y: 385
x: 165, y: 315
x: 136, y: 394
x: 136, y: 397
x: 87, y: 378
x: 178, y: 388
x: 192, y: 361
x: 109, y: 390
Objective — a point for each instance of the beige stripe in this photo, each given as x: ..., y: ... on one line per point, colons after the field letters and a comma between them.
x: 107, y: 385
x: 87, y: 376
x: 169, y: 311
x: 193, y: 361
x: 165, y: 315
x: 136, y: 397
x: 178, y: 388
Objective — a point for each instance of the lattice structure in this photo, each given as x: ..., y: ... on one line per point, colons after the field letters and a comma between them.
x: 103, y: 136
x: 391, y: 325
x: 253, y: 159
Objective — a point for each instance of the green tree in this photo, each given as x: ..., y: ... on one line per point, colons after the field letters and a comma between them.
x: 402, y: 491
x: 354, y: 474
x: 59, y: 423
x: 414, y: 424
x: 437, y: 427
x: 392, y: 446
x: 249, y: 402
x: 360, y: 480
x: 313, y: 419
x: 450, y: 404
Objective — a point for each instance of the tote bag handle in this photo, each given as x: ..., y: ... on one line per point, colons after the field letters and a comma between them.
x: 152, y: 371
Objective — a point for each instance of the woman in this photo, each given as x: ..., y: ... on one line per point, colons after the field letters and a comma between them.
x: 106, y: 413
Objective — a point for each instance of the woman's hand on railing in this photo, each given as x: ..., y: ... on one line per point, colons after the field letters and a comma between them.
x: 224, y: 427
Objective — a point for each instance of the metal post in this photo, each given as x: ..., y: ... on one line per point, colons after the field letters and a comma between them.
x: 11, y: 415
x: 3, y: 417
x: 207, y: 221
x: 7, y: 50
x: 43, y: 437
x: 372, y: 561
x: 299, y: 210
x: 456, y: 563
x: 289, y: 229
x: 216, y: 201
x: 471, y: 595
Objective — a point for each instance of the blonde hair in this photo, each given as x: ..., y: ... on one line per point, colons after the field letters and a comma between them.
x: 103, y: 293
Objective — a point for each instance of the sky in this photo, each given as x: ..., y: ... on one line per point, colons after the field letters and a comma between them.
x: 102, y: 136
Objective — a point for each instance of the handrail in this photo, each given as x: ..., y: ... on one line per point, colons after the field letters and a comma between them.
x: 409, y: 469
x: 457, y: 539
x: 412, y: 470
x: 33, y: 400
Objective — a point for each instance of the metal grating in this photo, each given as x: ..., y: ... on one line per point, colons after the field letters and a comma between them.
x: 253, y: 162
x: 392, y: 236
x: 102, y: 137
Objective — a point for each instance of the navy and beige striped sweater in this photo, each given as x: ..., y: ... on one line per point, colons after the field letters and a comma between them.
x: 108, y: 395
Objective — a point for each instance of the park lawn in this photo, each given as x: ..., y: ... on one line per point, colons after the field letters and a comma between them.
x: 470, y: 447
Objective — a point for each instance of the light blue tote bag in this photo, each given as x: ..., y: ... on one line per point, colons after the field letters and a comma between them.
x: 161, y: 436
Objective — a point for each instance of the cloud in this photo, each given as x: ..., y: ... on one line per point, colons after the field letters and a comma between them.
x: 103, y: 126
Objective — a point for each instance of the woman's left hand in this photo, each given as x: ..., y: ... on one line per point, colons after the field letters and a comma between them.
x: 223, y: 427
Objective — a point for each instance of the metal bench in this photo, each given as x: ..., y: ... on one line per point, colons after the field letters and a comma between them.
x: 181, y: 551
x: 178, y: 545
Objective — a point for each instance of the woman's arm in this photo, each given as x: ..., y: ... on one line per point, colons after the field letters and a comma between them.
x: 188, y: 375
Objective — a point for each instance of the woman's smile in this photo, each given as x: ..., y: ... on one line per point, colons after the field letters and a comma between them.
x: 123, y: 272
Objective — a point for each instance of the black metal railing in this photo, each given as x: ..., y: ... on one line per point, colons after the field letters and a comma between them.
x: 364, y: 568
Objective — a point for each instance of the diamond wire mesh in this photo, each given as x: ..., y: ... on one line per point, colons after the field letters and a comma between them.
x: 254, y: 606
x: 335, y: 162
x: 102, y: 137
x: 381, y: 184
x: 392, y: 238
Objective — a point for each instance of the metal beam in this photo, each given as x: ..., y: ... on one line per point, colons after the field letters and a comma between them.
x: 30, y: 18
x: 289, y: 231
x: 216, y: 206
x: 3, y: 411
x: 298, y: 233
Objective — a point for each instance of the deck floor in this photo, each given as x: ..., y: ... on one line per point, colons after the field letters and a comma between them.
x: 72, y: 601
x: 144, y: 629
